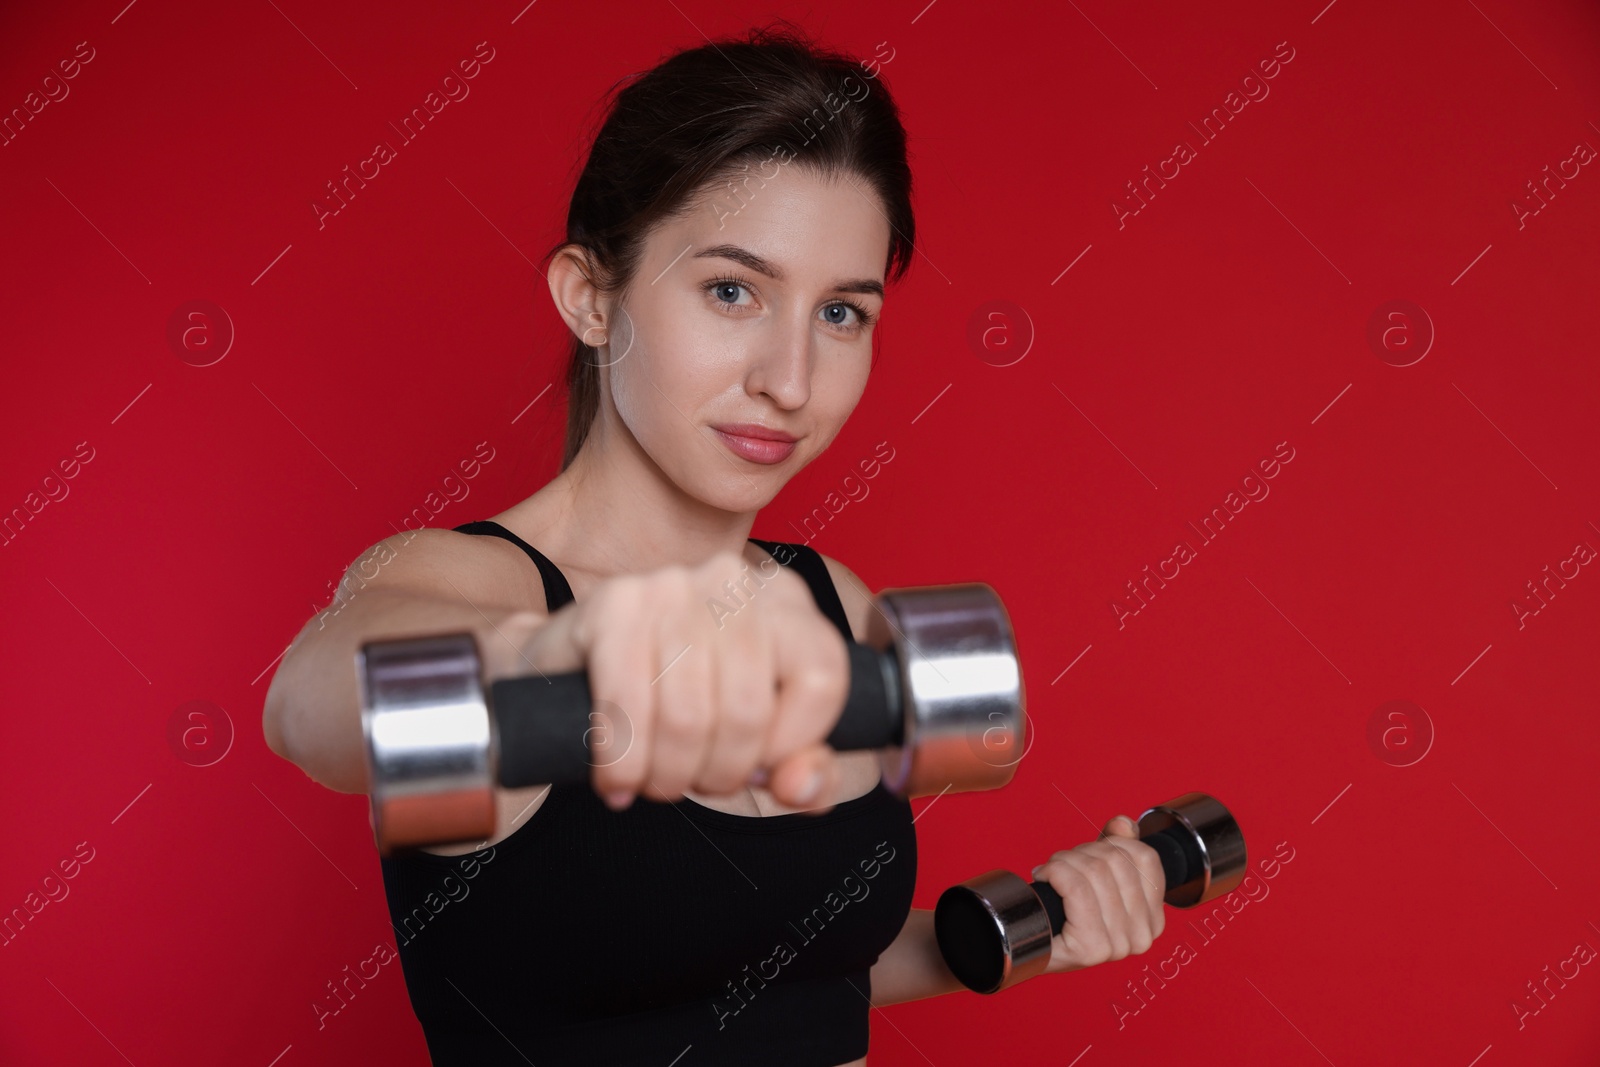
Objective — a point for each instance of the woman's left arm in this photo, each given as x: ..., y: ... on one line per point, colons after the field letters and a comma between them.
x: 912, y: 967
x: 1111, y: 889
x: 1112, y: 886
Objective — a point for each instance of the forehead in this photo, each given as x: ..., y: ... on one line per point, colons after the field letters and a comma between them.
x: 815, y: 229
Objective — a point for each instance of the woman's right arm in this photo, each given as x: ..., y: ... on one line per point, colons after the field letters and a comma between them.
x: 437, y: 581
x: 707, y: 700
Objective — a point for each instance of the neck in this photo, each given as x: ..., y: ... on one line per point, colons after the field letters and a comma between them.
x: 614, y: 511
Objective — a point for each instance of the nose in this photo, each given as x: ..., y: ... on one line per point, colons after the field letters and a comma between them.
x: 781, y: 368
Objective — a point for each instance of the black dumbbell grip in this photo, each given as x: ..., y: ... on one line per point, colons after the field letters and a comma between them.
x: 1180, y: 861
x: 543, y: 721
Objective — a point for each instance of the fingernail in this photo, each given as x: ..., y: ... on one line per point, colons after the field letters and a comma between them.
x: 619, y: 800
x: 758, y: 776
x: 813, y: 786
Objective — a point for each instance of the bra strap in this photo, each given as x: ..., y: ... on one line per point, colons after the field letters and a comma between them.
x: 557, y: 592
x: 809, y: 562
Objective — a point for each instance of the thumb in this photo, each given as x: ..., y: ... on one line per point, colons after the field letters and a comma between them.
x: 802, y: 778
x: 1121, y: 826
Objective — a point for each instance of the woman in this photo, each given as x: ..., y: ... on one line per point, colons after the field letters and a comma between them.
x: 745, y: 896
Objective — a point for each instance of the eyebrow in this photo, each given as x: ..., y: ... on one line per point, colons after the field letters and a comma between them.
x: 763, y: 266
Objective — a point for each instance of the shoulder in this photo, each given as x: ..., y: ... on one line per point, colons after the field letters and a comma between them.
x: 450, y: 564
x: 853, y: 594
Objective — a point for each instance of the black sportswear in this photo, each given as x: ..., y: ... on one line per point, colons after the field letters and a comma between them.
x: 665, y: 934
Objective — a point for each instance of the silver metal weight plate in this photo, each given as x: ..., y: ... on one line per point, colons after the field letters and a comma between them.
x: 1021, y: 923
x: 429, y: 741
x: 962, y: 688
x: 1220, y: 840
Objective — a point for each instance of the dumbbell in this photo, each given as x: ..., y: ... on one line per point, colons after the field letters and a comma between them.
x: 994, y: 930
x: 935, y: 688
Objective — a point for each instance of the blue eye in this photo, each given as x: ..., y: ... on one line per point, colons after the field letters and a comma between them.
x: 864, y: 318
x: 845, y: 308
x: 724, y: 292
x: 717, y: 287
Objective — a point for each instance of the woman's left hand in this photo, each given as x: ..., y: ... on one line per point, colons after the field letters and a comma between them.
x: 1111, y: 890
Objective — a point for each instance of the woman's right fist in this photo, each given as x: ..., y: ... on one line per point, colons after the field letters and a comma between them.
x: 701, y: 678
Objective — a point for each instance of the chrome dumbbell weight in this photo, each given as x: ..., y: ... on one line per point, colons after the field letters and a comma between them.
x: 935, y: 688
x: 994, y: 930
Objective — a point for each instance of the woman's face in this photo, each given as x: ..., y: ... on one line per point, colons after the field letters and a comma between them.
x: 752, y: 310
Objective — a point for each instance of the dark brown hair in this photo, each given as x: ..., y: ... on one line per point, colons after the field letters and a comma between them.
x: 705, y: 116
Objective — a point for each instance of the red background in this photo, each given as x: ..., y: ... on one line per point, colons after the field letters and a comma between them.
x: 1227, y: 316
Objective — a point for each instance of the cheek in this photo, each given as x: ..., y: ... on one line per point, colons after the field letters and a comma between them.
x: 654, y: 385
x: 837, y: 399
x: 633, y: 353
x: 848, y: 384
x: 636, y: 400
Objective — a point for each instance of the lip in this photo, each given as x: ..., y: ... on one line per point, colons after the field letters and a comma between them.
x: 755, y: 430
x: 759, y: 444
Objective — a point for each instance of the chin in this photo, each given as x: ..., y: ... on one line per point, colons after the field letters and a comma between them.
x: 750, y: 491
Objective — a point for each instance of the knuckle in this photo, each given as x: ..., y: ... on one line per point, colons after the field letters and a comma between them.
x: 683, y: 719
x: 811, y: 681
x: 746, y: 709
x: 1151, y: 865
x: 1080, y: 894
x: 1132, y: 865
x: 828, y: 661
x: 612, y: 600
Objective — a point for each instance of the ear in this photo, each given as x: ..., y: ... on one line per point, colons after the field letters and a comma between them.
x: 576, y: 297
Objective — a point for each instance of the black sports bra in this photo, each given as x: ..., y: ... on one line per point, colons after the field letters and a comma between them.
x: 665, y: 934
